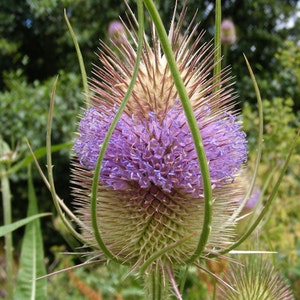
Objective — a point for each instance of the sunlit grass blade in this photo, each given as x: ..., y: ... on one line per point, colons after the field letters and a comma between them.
x: 32, y: 255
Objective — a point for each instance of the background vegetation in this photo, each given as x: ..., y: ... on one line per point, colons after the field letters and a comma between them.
x: 35, y: 46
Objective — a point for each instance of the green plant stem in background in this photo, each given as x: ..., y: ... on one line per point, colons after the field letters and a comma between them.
x: 225, y: 55
x: 6, y: 200
x: 55, y: 198
x: 80, y: 59
x: 217, y: 45
x: 191, y: 120
x: 157, y: 288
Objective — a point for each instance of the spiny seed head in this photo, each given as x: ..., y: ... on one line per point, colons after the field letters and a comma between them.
x: 255, y: 279
x: 150, y: 193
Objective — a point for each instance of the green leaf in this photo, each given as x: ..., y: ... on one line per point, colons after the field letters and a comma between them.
x: 13, y: 226
x: 32, y: 256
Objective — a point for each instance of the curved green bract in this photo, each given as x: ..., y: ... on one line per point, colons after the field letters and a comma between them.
x: 109, y: 133
x: 80, y: 59
x: 259, y: 145
x: 191, y: 120
x: 281, y: 174
x: 50, y: 173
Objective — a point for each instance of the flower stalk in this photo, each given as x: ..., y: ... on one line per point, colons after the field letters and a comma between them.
x: 156, y: 287
x: 7, y: 216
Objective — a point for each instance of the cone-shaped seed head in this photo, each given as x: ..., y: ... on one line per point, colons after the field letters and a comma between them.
x: 255, y: 279
x: 150, y: 190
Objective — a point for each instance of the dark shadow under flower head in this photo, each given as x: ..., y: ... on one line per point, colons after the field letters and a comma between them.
x: 150, y: 189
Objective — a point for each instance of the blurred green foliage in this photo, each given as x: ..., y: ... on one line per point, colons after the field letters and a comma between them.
x: 285, y: 80
x: 280, y: 128
x: 24, y: 109
x: 107, y: 281
x: 288, y: 57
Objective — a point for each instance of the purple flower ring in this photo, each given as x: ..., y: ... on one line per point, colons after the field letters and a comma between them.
x: 148, y: 151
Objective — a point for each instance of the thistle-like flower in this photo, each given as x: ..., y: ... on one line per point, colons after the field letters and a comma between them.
x: 255, y: 279
x: 150, y: 194
x: 117, y: 32
x: 228, y: 35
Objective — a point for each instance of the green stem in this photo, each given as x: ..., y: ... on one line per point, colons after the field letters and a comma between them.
x: 156, y: 285
x: 191, y: 120
x: 225, y: 55
x: 6, y: 199
x: 183, y: 277
x: 57, y: 202
x: 217, y: 45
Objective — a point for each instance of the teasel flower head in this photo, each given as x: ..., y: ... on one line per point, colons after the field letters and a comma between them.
x: 256, y: 279
x: 228, y: 34
x: 150, y: 193
x: 117, y: 32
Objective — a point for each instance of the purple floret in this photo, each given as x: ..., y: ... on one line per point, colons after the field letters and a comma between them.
x: 147, y: 151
